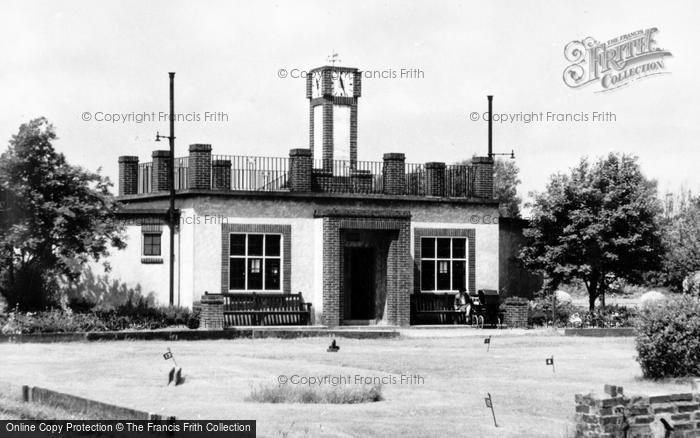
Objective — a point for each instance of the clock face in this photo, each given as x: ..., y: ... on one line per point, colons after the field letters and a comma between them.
x: 343, y: 84
x: 316, y: 84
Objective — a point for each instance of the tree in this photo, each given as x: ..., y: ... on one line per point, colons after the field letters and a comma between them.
x: 54, y: 218
x: 681, y: 237
x: 505, y: 186
x: 597, y: 224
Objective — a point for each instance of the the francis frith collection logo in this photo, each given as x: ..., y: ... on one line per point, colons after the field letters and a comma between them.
x: 616, y: 62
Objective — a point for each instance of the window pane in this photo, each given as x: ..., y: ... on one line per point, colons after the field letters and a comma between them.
x: 459, y: 248
x: 255, y: 244
x: 443, y: 276
x: 272, y: 245
x: 272, y: 274
x: 151, y: 244
x: 255, y: 277
x: 427, y: 248
x: 237, y: 244
x: 459, y: 275
x: 237, y: 273
x: 443, y: 248
x: 427, y: 275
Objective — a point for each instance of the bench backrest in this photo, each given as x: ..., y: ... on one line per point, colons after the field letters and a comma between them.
x: 268, y: 302
x: 424, y: 302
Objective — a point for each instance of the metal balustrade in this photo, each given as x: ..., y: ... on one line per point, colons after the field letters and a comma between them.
x: 254, y: 173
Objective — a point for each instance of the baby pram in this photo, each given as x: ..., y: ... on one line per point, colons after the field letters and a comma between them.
x: 485, y: 309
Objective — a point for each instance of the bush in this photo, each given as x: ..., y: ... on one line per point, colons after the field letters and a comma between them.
x: 338, y: 394
x: 193, y: 320
x: 540, y: 313
x: 611, y: 316
x: 123, y: 318
x: 668, y: 338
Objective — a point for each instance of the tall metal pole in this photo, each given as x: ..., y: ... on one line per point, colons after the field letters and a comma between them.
x: 490, y: 98
x: 171, y: 184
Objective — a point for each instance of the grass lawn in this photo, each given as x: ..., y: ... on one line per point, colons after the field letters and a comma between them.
x: 457, y: 371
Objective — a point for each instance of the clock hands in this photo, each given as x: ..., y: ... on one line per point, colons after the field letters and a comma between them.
x: 342, y: 85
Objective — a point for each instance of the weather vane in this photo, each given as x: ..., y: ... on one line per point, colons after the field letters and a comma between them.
x: 333, y: 59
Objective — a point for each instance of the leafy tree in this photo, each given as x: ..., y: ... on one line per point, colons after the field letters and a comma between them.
x: 54, y: 218
x: 597, y: 224
x: 505, y: 186
x: 681, y: 237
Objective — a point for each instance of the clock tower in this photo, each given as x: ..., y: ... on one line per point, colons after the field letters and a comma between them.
x: 333, y: 92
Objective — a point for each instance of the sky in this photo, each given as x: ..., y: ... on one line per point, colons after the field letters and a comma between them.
x: 63, y: 60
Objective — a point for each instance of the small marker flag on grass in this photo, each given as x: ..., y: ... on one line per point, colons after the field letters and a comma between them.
x: 550, y: 361
x: 487, y: 340
x: 489, y: 404
x: 167, y: 355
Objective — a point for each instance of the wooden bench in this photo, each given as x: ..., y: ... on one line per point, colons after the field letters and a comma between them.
x: 433, y: 308
x: 242, y: 309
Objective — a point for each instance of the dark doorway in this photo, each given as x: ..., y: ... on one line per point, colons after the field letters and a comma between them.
x: 360, y: 280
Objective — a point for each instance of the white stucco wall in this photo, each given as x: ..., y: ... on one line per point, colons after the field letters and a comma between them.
x: 199, y: 251
x: 305, y: 240
x: 127, y: 267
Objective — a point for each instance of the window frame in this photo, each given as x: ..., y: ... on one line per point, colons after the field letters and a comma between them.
x: 246, y: 257
x: 144, y: 234
x: 438, y: 261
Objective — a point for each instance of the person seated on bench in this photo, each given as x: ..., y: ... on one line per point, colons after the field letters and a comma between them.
x: 463, y: 303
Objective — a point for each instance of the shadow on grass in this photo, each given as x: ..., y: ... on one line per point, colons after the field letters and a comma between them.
x: 339, y: 394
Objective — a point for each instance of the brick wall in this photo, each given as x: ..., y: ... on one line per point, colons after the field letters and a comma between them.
x: 199, y: 167
x: 516, y: 312
x: 128, y: 175
x: 399, y: 267
x: 212, y: 315
x: 615, y: 415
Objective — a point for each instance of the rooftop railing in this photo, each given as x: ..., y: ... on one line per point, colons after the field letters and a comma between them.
x: 272, y: 174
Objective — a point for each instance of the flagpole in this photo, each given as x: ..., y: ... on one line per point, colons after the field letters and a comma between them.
x: 492, y: 411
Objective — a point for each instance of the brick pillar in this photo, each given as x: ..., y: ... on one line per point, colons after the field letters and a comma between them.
x: 159, y: 177
x: 483, y: 181
x: 328, y: 154
x: 394, y: 173
x: 221, y: 175
x: 435, y: 179
x: 516, y: 312
x: 128, y: 175
x: 300, y: 167
x: 212, y: 316
x: 199, y: 167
